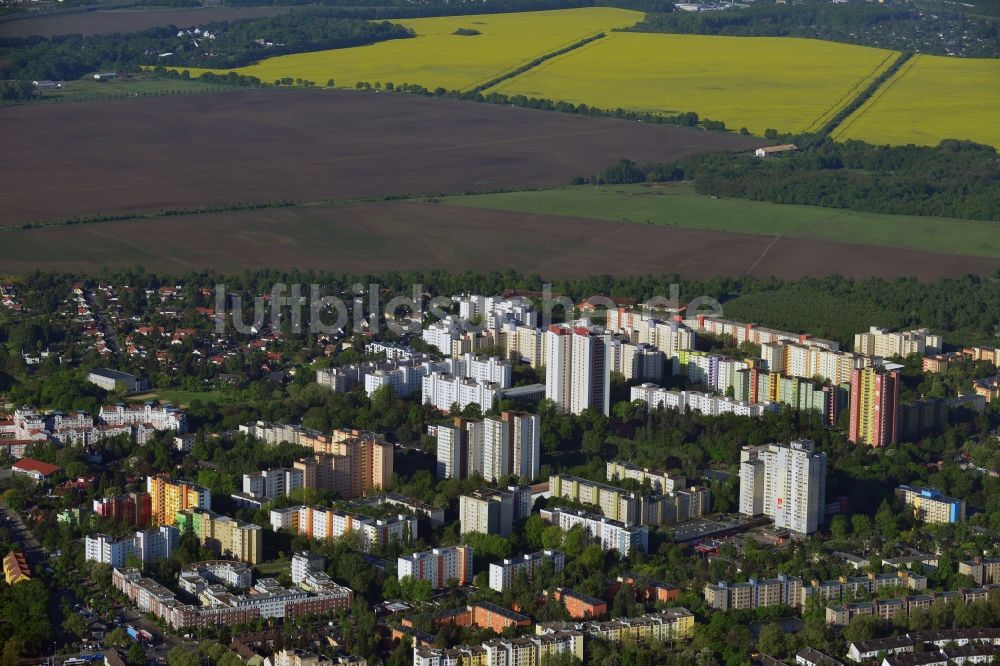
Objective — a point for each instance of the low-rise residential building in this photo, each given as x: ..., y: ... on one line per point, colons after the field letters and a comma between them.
x: 755, y: 593
x: 888, y: 609
x: 223, y: 535
x: 610, y: 534
x: 660, y: 482
x: 318, y: 595
x: 503, y: 575
x: 15, y: 568
x: 524, y: 651
x: 654, y: 396
x: 988, y: 388
x: 983, y: 570
x: 580, y: 606
x: 320, y: 523
x: 930, y: 506
x: 812, y: 657
x: 667, y: 625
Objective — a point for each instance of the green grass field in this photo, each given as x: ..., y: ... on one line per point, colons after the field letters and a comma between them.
x: 677, y: 205
x: 929, y: 99
x: 437, y: 57
x: 755, y: 82
x: 181, y: 398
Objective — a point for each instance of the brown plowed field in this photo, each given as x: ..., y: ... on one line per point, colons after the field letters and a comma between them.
x: 102, y: 22
x: 378, y: 237
x: 147, y: 154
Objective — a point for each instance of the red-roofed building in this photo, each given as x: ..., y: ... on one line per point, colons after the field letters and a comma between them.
x: 15, y: 568
x: 36, y: 469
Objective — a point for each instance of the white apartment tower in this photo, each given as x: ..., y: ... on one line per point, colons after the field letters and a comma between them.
x: 578, y: 367
x: 786, y: 482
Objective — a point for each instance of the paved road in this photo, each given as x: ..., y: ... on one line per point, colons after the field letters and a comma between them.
x: 12, y: 521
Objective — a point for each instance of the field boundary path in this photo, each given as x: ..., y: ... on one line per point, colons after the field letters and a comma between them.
x: 883, y: 82
x: 521, y: 69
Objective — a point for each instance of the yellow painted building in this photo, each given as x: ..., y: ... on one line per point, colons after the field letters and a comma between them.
x: 223, y: 535
x: 168, y: 497
x: 15, y: 568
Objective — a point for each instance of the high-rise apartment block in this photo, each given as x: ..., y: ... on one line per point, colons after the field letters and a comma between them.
x: 493, y: 448
x: 494, y: 510
x: 874, y: 417
x: 578, y: 367
x: 167, y: 498
x: 351, y: 462
x: 786, y: 482
x: 438, y: 565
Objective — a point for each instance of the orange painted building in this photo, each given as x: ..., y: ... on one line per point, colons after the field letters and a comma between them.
x: 580, y: 606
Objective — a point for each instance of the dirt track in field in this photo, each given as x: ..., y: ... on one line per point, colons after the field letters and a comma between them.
x: 149, y: 154
x: 399, y: 236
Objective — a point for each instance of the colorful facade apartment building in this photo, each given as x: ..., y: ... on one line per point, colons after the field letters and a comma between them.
x: 580, y: 606
x: 875, y: 406
x: 482, y: 615
x: 320, y: 523
x: 930, y: 506
x: 132, y: 508
x: 223, y: 535
x: 168, y: 497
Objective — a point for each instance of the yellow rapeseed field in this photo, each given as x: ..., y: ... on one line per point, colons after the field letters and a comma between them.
x: 754, y: 82
x: 929, y: 99
x: 437, y: 57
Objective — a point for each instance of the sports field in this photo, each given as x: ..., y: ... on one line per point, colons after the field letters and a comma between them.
x: 437, y: 57
x: 929, y: 99
x: 789, y: 84
x: 676, y: 205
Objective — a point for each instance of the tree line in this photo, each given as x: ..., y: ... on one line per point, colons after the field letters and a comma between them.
x: 953, y: 179
x: 901, y: 27
x: 236, y: 43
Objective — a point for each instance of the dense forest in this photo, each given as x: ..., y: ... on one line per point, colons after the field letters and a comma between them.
x: 954, y: 179
x: 232, y: 44
x: 902, y: 27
